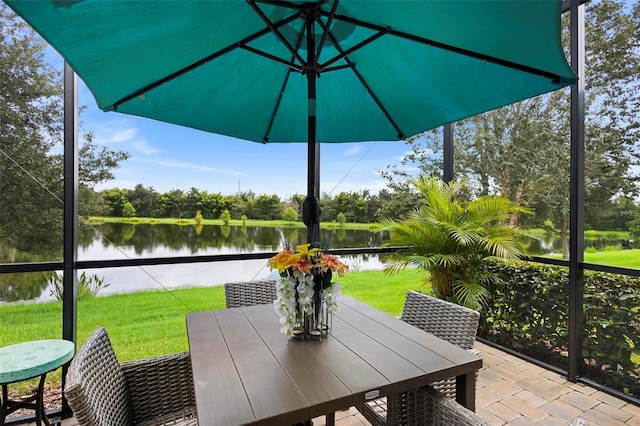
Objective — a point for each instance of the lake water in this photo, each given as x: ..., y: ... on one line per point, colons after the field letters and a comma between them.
x: 127, y: 241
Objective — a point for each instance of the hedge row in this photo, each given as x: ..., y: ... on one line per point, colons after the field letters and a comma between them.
x: 528, y: 312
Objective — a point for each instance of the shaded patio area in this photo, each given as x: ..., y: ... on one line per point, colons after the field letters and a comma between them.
x: 512, y: 391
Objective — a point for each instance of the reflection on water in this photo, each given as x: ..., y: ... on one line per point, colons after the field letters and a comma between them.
x: 127, y: 241
x: 147, y: 240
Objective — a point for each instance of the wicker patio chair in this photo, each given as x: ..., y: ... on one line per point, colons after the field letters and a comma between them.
x: 152, y: 391
x: 249, y: 293
x: 430, y: 407
x: 446, y: 320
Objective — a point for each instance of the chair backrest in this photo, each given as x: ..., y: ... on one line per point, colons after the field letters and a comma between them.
x: 249, y: 293
x: 95, y: 385
x: 448, y: 321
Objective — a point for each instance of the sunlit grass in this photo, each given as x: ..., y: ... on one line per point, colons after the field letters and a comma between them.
x: 620, y: 258
x: 150, y: 323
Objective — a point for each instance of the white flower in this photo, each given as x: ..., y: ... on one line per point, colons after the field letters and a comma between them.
x: 285, y: 304
x: 331, y: 295
x: 305, y: 295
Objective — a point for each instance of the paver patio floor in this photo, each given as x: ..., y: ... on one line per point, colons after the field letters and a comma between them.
x: 513, y: 392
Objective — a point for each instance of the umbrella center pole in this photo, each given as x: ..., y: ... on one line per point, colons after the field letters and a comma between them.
x: 311, y: 205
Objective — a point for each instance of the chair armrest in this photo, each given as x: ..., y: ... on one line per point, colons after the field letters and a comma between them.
x: 436, y: 409
x: 160, y: 386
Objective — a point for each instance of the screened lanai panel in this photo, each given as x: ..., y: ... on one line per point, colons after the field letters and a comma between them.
x: 612, y: 334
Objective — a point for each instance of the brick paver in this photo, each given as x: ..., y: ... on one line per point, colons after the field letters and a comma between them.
x: 580, y: 401
x: 561, y: 410
x: 533, y: 414
x: 503, y: 388
x: 608, y: 399
x: 531, y: 398
x: 595, y: 417
x: 611, y: 412
x: 634, y: 410
x: 503, y: 411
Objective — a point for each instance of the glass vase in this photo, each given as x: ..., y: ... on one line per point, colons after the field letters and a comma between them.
x: 315, y: 323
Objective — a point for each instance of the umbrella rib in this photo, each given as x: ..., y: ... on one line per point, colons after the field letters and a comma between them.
x: 354, y: 48
x: 339, y: 67
x: 275, y: 31
x: 291, y: 64
x: 555, y: 78
x: 265, y: 138
x: 199, y: 63
x: 323, y: 39
x: 350, y: 64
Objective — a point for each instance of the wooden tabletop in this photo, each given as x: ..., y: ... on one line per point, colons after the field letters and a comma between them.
x: 247, y: 372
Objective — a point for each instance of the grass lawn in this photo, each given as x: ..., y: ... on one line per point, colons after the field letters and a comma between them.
x: 149, y: 323
x: 620, y: 258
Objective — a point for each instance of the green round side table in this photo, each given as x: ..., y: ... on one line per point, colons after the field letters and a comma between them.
x: 24, y: 361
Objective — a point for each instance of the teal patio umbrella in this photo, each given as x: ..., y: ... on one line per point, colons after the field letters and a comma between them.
x: 274, y: 71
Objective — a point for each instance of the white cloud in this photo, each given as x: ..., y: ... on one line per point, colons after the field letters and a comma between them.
x: 186, y: 165
x: 122, y: 135
x: 120, y: 132
x: 143, y: 146
x: 114, y: 132
x: 353, y: 151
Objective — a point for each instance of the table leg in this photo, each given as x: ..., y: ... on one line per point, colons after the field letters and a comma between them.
x: 5, y: 403
x: 330, y: 419
x: 466, y: 390
x: 41, y: 415
x: 9, y: 406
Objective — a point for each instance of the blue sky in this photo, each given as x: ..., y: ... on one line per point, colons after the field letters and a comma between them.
x: 166, y: 156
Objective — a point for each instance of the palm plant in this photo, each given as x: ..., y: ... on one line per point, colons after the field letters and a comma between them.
x: 450, y: 240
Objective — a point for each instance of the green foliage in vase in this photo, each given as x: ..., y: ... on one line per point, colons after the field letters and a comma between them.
x: 450, y: 240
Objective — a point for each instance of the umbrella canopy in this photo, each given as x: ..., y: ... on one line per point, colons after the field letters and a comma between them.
x: 267, y: 71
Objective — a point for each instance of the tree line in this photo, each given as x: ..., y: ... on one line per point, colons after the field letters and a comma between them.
x: 142, y: 201
x: 356, y: 207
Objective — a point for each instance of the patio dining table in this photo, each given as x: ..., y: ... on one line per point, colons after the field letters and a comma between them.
x: 246, y: 371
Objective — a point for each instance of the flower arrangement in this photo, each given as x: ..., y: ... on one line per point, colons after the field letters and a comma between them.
x: 305, y: 289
